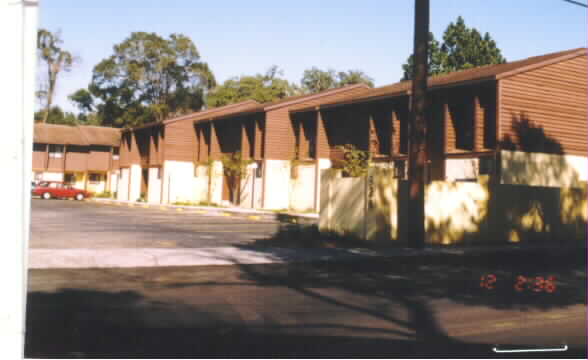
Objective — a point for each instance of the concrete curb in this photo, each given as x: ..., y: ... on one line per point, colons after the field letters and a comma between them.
x: 251, y: 214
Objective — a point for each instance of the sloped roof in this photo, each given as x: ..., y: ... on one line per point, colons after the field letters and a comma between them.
x: 245, y: 107
x: 197, y: 115
x: 99, y: 135
x: 482, y: 73
x: 76, y: 135
x: 58, y: 134
x: 253, y: 106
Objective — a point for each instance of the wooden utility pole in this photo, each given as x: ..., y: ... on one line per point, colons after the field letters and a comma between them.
x: 418, y: 128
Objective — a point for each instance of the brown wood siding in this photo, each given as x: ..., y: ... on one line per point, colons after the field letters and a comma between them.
x: 229, y: 135
x: 76, y: 158
x: 155, y: 147
x: 115, y: 165
x: 401, y: 118
x: 143, y: 140
x: 247, y: 136
x: 55, y: 164
x: 215, y: 151
x: 180, y: 139
x: 259, y: 142
x: 99, y: 158
x: 280, y: 137
x: 552, y: 98
x: 39, y: 156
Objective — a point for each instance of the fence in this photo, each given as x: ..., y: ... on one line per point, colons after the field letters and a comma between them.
x: 373, y: 208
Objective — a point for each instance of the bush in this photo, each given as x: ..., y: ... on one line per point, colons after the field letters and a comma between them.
x: 105, y: 194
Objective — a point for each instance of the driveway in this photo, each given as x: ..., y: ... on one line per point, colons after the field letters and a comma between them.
x: 63, y: 224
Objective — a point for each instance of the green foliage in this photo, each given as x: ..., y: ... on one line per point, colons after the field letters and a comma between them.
x: 262, y: 88
x: 147, y: 79
x: 315, y: 80
x: 105, y: 195
x: 462, y: 48
x: 355, y: 162
x: 234, y: 167
x: 56, y: 116
x: 53, y: 60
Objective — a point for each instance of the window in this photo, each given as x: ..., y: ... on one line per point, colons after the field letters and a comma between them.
x: 115, y: 153
x: 400, y: 169
x: 95, y: 178
x: 56, y: 151
x: 259, y: 169
x: 69, y: 178
x: 486, y: 165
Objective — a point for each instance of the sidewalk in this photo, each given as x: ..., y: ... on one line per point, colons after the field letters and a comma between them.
x: 222, y: 211
x: 160, y: 257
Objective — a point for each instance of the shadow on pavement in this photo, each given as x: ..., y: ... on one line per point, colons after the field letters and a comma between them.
x: 73, y: 323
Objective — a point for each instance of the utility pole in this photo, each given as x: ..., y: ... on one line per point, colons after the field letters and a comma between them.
x: 418, y: 128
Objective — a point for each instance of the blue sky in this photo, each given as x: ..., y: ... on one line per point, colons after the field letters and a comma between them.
x: 237, y: 37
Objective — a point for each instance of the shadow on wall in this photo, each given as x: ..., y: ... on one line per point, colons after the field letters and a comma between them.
x: 524, y: 204
x: 508, y: 210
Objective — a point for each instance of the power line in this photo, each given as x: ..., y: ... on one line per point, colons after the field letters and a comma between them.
x: 576, y: 3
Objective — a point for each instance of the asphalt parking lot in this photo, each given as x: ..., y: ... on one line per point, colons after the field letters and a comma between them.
x: 62, y: 224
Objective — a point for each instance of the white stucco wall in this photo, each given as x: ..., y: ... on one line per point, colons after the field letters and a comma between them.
x: 178, y: 181
x: 123, y: 185
x: 321, y: 164
x: 276, y: 184
x: 52, y: 176
x: 302, y: 188
x: 154, y: 187
x: 246, y: 189
x: 216, y: 183
x: 113, y: 186
x: 461, y: 169
x: 135, y: 188
x: 200, y: 184
x: 537, y: 169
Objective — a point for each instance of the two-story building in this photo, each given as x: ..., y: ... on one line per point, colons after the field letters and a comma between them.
x: 85, y: 156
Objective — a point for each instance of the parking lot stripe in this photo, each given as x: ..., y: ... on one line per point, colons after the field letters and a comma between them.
x: 145, y: 206
x: 179, y: 209
x: 163, y: 208
x: 226, y: 214
x: 254, y: 217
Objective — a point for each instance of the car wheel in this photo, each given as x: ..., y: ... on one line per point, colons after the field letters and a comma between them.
x: 46, y: 196
x: 80, y: 197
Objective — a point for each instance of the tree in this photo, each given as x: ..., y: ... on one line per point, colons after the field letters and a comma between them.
x: 260, y: 87
x: 149, y: 78
x: 55, y: 115
x: 315, y: 80
x: 84, y: 101
x: 462, y: 48
x: 235, y: 168
x: 56, y: 60
x: 352, y: 77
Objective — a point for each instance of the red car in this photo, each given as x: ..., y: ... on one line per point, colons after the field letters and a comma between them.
x: 59, y: 190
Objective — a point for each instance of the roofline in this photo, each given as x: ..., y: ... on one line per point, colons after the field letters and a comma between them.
x: 188, y: 116
x: 351, y: 102
x: 316, y: 96
x: 577, y: 53
x: 226, y: 116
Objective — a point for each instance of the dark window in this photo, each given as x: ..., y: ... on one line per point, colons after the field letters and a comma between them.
x: 95, y: 178
x: 69, y: 178
x: 400, y: 169
x: 39, y: 147
x: 486, y: 165
x: 56, y: 151
x: 259, y: 169
x: 462, y: 115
